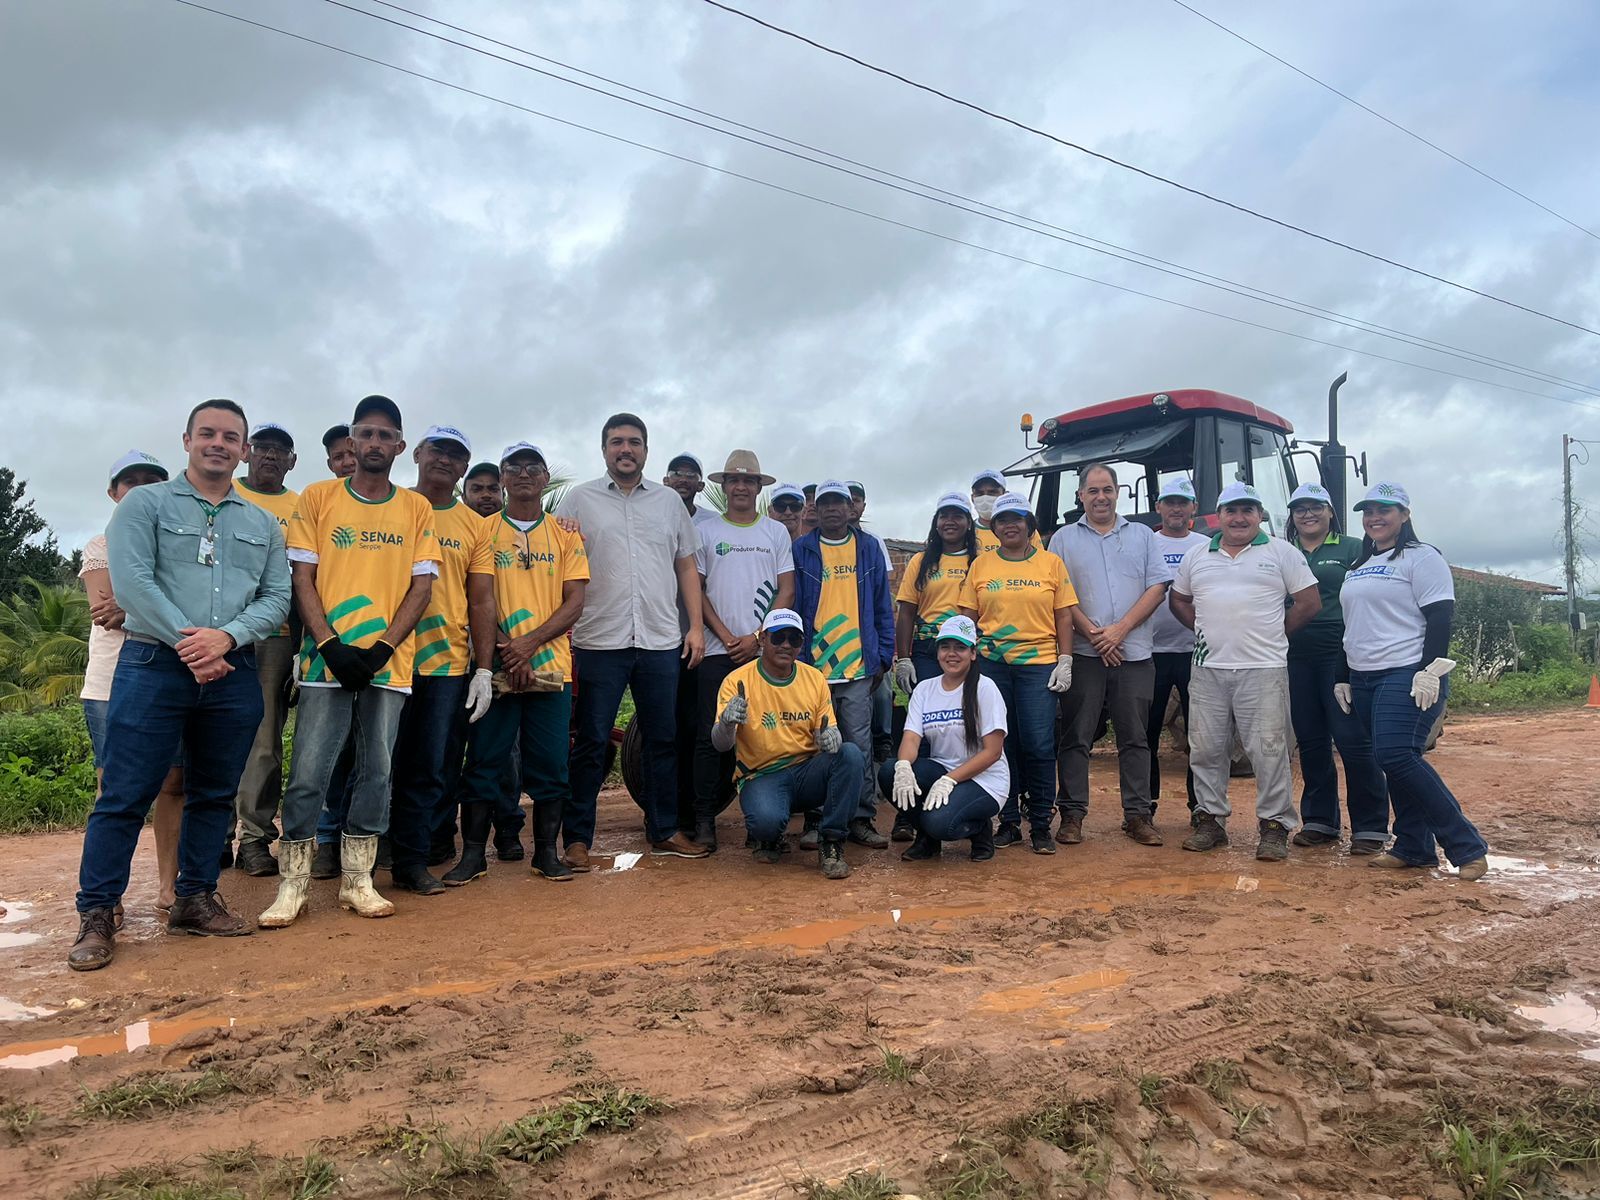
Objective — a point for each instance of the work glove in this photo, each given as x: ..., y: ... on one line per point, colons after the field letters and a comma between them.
x: 905, y: 789
x: 548, y: 679
x: 1061, y: 677
x: 1425, y: 683
x: 347, y: 664
x: 378, y: 655
x: 828, y: 739
x: 1341, y: 697
x: 480, y: 694
x: 939, y: 793
x: 737, y: 711
x: 905, y: 675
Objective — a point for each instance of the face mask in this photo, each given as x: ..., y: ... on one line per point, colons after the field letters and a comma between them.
x: 984, y: 506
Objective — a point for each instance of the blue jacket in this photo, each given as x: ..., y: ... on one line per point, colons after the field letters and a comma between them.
x: 872, y: 598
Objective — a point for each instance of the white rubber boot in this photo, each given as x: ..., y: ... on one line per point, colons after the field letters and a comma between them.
x: 357, y: 854
x: 294, y: 871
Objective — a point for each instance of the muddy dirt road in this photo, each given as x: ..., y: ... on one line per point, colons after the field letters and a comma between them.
x: 1115, y: 1020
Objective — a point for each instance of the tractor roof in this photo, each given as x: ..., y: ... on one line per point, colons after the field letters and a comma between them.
x: 1190, y: 401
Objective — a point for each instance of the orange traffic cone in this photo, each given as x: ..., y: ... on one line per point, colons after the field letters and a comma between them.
x: 1594, y: 692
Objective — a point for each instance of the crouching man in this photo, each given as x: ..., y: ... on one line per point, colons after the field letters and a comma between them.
x: 777, y: 716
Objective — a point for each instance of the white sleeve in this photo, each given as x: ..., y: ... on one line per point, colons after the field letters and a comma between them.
x: 426, y: 567
x: 991, y: 707
x: 1297, y: 574
x: 1430, y: 576
x: 1180, y: 578
x: 305, y: 556
x: 784, y: 548
x: 702, y: 554
x: 914, y: 706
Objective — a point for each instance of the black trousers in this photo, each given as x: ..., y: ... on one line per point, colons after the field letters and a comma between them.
x: 1172, y: 671
x: 713, y: 769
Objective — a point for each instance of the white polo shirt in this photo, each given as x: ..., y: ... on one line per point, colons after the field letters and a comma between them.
x: 1168, y: 635
x: 1383, y: 600
x: 1239, y: 601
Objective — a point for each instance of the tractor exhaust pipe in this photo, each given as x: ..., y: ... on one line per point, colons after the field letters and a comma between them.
x: 1333, y: 454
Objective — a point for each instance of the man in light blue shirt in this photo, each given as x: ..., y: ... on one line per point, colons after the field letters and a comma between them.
x: 202, y: 575
x: 1120, y: 577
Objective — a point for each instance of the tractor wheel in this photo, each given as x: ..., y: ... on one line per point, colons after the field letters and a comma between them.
x: 632, y: 756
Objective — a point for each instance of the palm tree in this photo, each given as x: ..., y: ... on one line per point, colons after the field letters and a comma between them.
x: 44, y: 646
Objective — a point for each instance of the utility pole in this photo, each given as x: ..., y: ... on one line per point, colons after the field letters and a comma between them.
x: 1572, y: 550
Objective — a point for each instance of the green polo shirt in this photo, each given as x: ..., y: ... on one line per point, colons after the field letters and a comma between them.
x: 1323, y: 635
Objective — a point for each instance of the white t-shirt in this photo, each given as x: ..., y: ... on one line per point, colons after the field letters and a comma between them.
x: 105, y: 645
x: 740, y: 565
x: 701, y: 515
x: 1238, y: 601
x: 1382, y: 601
x: 1168, y: 634
x: 938, y: 716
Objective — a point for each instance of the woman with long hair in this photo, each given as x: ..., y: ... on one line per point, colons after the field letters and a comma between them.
x: 1398, y: 600
x: 955, y: 790
x: 930, y: 589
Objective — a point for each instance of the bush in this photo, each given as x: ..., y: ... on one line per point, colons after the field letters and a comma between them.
x: 46, y: 770
x: 1551, y: 687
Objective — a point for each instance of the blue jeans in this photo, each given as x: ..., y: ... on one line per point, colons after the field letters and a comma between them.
x: 1424, y: 809
x: 969, y: 809
x: 419, y: 775
x: 336, y: 803
x: 1320, y: 725
x: 329, y: 717
x: 94, y: 718
x: 1031, y: 741
x: 925, y: 660
x: 602, y: 676
x: 831, y: 782
x: 155, y: 707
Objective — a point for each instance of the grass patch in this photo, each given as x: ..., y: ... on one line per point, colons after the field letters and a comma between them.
x: 541, y: 1136
x: 1073, y: 1127
x: 312, y: 1177
x: 150, y: 1094
x: 17, y: 1116
x: 673, y: 1000
x: 1217, y: 1077
x: 230, y: 1162
x: 858, y: 1185
x: 895, y: 1067
x: 1150, y: 1089
x: 1152, y: 1170
x: 46, y: 770
x: 973, y: 1172
x: 1248, y: 1117
x: 1495, y: 1151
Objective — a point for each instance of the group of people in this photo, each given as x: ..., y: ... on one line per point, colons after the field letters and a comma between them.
x: 456, y: 645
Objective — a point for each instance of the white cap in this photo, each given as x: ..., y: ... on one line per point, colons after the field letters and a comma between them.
x: 447, y: 433
x: 1311, y: 491
x: 137, y: 458
x: 272, y: 427
x: 1240, y: 493
x: 991, y: 476
x: 782, y: 618
x: 1010, y: 502
x: 958, y: 629
x: 833, y: 487
x: 954, y: 500
x: 698, y: 469
x: 855, y: 485
x: 1384, y: 492
x: 521, y: 448
x: 1177, y: 489
x: 789, y: 489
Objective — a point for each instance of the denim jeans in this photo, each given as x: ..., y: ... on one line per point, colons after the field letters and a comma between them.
x: 1031, y: 740
x: 336, y: 802
x: 1254, y: 702
x: 538, y: 725
x: 852, y: 704
x: 1320, y: 725
x: 925, y: 659
x: 419, y: 775
x: 328, y: 718
x: 1424, y: 808
x: 831, y: 782
x: 94, y: 717
x: 713, y: 769
x: 155, y: 706
x: 261, y: 788
x: 602, y: 677
x: 1126, y: 691
x: 1172, y: 671
x: 968, y: 810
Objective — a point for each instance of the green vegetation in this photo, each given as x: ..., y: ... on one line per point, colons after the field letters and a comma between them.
x: 144, y: 1095
x: 895, y: 1067
x: 974, y: 1171
x: 16, y: 1117
x: 238, y: 1174
x: 46, y: 770
x: 858, y: 1185
x: 1513, y: 651
x: 44, y: 645
x: 1496, y: 1151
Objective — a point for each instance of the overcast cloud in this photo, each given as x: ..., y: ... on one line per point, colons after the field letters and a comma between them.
x: 192, y: 207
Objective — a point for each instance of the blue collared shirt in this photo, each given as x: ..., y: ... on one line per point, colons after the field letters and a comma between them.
x: 159, y: 579
x: 1110, y: 571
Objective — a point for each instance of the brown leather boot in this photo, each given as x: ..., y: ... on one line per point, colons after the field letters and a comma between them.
x: 1071, y: 831
x: 1141, y: 830
x: 206, y: 916
x: 96, y: 944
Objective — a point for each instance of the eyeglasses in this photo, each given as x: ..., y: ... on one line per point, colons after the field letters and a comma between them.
x: 787, y: 506
x: 269, y: 450
x: 786, y: 637
x: 522, y: 468
x: 692, y: 476
x: 375, y: 433
x: 454, y: 451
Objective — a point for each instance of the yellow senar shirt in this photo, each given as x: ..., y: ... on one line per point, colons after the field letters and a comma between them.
x: 366, y: 552
x: 785, y: 715
x: 443, y: 647
x: 989, y: 542
x: 281, y: 505
x: 836, y: 629
x: 940, y: 597
x: 529, y: 569
x: 1016, y: 603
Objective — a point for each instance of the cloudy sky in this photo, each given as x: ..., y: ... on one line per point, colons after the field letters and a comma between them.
x: 193, y: 207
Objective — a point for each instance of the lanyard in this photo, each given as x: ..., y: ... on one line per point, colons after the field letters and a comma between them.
x: 208, y: 544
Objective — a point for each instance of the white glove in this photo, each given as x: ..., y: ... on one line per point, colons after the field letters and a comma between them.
x: 1341, y: 697
x: 1425, y: 683
x: 1061, y: 677
x: 480, y: 693
x: 828, y: 738
x: 905, y: 675
x: 905, y: 790
x: 738, y: 710
x: 939, y: 793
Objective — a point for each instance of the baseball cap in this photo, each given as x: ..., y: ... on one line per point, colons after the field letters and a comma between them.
x: 1311, y: 491
x: 271, y: 429
x: 856, y: 487
x: 685, y: 457
x: 1010, y: 502
x: 1177, y: 489
x: 1384, y: 492
x: 521, y: 448
x: 782, y: 618
x: 447, y: 433
x: 136, y: 460
x: 833, y: 487
x: 958, y: 629
x: 483, y: 468
x: 954, y: 500
x: 336, y: 433
x: 991, y: 476
x: 792, y: 490
x: 377, y: 404
x: 1239, y: 493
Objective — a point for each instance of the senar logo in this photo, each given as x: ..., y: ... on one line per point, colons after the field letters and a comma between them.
x: 769, y: 720
x: 344, y: 537
x: 503, y: 559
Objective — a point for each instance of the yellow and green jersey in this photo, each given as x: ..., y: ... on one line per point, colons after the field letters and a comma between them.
x: 785, y: 715
x: 836, y: 628
x: 443, y: 646
x: 366, y: 553
x: 989, y: 542
x: 1016, y: 603
x: 940, y: 597
x: 281, y: 505
x: 529, y: 568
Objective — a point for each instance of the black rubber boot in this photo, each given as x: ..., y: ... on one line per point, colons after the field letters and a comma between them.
x: 474, y: 863
x: 415, y: 879
x: 922, y: 847
x: 546, y: 831
x: 983, y: 843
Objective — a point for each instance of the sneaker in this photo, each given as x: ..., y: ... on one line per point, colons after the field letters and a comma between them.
x: 1473, y: 871
x: 1071, y: 831
x: 983, y: 844
x: 767, y: 852
x: 1143, y: 831
x: 921, y: 849
x: 904, y: 830
x: 678, y: 846
x: 1362, y: 847
x: 255, y: 859
x: 1315, y: 837
x: 206, y: 915
x: 1208, y: 833
x: 1274, y: 843
x: 510, y: 850
x: 830, y: 857
x: 1043, y: 843
x: 811, y: 832
x: 863, y: 834
x: 96, y: 944
x: 1007, y: 835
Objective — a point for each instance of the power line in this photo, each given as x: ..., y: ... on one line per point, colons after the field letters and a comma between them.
x: 1410, y: 133
x: 842, y: 207
x: 1146, y: 173
x: 1069, y: 236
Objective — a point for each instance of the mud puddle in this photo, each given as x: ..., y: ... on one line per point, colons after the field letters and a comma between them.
x: 1569, y: 1013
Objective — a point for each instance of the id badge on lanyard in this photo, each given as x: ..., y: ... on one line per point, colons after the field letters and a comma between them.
x: 208, y: 541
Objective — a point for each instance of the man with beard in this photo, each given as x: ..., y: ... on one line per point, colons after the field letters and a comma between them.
x: 481, y: 489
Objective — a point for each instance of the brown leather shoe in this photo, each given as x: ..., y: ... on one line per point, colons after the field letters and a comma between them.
x: 577, y: 857
x: 1141, y: 830
x: 96, y: 944
x: 206, y: 916
x: 678, y: 846
x: 1071, y: 831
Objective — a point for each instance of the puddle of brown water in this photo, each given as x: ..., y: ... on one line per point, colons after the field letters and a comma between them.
x: 21, y: 1055
x: 1567, y: 1013
x: 1032, y: 996
x: 12, y: 913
